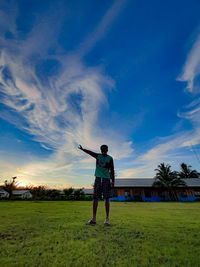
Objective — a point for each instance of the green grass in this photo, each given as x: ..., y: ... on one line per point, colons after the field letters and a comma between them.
x: 141, y: 234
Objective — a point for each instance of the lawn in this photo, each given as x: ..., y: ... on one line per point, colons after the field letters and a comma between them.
x: 141, y: 234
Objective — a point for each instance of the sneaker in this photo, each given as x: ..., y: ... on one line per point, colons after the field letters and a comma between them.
x: 91, y: 222
x: 106, y: 223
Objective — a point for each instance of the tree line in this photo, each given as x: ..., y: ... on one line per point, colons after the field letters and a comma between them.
x: 165, y: 179
x: 169, y: 180
x: 41, y: 192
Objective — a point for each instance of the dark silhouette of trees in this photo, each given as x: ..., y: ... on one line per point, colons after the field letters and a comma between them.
x: 9, y: 186
x: 43, y: 193
x: 68, y: 193
x: 38, y: 192
x: 167, y: 179
x: 187, y: 172
x: 53, y: 194
x: 78, y: 194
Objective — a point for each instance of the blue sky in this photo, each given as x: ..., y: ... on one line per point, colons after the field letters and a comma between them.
x: 122, y: 73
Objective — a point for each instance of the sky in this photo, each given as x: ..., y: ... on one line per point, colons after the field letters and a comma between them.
x: 125, y: 73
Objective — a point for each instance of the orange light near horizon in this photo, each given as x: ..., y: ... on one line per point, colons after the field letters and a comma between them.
x: 21, y: 184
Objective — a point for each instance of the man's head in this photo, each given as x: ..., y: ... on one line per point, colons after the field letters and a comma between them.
x: 104, y: 149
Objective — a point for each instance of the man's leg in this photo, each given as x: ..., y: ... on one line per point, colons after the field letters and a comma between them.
x: 96, y: 194
x: 107, y: 195
x: 107, y: 206
x: 95, y: 205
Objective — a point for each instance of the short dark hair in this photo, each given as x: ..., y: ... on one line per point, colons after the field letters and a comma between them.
x: 104, y: 147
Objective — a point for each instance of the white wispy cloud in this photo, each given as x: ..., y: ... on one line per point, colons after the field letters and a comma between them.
x: 191, y: 68
x: 102, y: 27
x: 191, y: 75
x: 61, y: 111
x: 173, y: 150
x: 176, y: 148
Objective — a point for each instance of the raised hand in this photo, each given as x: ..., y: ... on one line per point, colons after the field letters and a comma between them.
x: 80, y: 147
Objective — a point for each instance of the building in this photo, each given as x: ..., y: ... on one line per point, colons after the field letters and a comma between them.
x: 88, y: 191
x: 22, y: 194
x: 3, y: 193
x: 141, y: 189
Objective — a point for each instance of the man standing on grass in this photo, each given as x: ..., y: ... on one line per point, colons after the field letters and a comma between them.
x: 102, y: 185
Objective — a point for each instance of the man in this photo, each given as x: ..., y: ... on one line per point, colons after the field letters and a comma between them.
x: 104, y: 172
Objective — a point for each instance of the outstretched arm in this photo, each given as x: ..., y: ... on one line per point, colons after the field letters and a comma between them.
x: 91, y: 153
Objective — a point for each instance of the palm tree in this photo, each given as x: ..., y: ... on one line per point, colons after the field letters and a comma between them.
x: 168, y: 179
x: 9, y: 186
x: 186, y: 172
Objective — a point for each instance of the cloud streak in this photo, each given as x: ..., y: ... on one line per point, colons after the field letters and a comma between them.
x: 191, y: 68
x: 176, y: 148
x: 61, y: 108
x: 191, y: 75
x: 102, y: 27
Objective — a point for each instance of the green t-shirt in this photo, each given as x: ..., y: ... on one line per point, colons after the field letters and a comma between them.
x: 103, y: 166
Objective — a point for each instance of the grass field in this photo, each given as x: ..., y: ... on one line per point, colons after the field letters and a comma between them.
x: 141, y: 234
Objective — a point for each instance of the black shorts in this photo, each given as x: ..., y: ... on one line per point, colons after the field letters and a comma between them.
x: 102, y: 186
